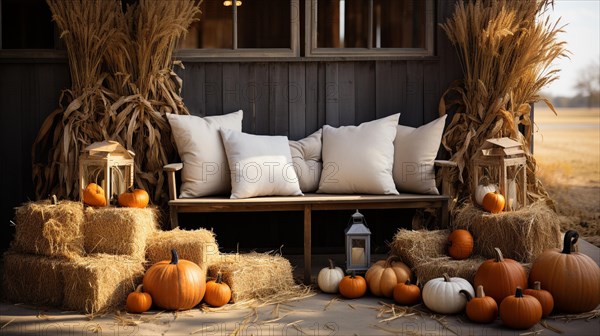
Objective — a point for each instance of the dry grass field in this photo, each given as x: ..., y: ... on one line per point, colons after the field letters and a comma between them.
x: 567, y: 149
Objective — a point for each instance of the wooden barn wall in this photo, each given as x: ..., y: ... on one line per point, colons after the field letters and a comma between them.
x: 292, y: 97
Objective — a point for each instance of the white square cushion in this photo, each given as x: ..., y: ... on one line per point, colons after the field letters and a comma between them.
x: 359, y: 159
x: 306, y: 155
x: 205, y: 169
x: 415, y: 150
x: 261, y: 165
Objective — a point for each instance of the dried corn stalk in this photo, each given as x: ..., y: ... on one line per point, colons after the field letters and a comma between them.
x: 506, y: 53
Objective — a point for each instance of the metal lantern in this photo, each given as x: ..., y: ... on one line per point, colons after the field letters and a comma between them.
x: 358, y: 244
x: 109, y: 165
x: 502, y: 162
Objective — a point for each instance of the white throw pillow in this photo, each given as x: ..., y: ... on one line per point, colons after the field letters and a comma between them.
x: 306, y: 155
x: 415, y: 151
x: 359, y: 159
x: 205, y: 170
x: 261, y: 165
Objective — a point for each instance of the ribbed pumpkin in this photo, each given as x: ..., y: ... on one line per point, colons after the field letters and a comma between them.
x: 138, y: 301
x: 137, y: 198
x: 482, y: 190
x: 493, y: 202
x: 407, y: 294
x: 460, y: 244
x: 442, y: 295
x: 329, y: 278
x: 217, y: 293
x: 384, y: 275
x: 481, y: 308
x: 520, y: 311
x: 500, y: 277
x: 175, y: 284
x: 572, y: 278
x: 94, y: 195
x: 353, y: 286
x: 542, y: 295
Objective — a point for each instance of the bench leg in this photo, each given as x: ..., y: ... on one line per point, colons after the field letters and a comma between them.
x: 444, y: 215
x: 173, y: 215
x: 307, y: 245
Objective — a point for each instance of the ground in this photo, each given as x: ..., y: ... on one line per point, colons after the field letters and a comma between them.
x: 567, y: 149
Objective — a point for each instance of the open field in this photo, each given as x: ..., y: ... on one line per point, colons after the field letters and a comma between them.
x: 567, y: 149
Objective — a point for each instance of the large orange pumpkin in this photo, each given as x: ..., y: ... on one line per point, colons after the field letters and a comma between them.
x: 175, y: 284
x: 520, y: 311
x: 500, y: 277
x: 572, y: 278
x: 384, y: 275
x: 137, y: 198
x: 493, y: 202
x: 93, y: 195
x: 460, y: 244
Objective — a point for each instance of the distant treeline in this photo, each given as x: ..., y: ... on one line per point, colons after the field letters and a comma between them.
x: 576, y: 101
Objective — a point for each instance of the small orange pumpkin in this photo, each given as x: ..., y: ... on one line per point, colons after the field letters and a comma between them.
x: 545, y: 298
x: 137, y: 198
x: 217, y: 293
x: 138, y: 301
x: 493, y: 202
x: 520, y: 311
x: 353, y: 286
x: 93, y: 195
x: 460, y: 244
x: 500, y: 277
x: 407, y: 294
x: 481, y: 308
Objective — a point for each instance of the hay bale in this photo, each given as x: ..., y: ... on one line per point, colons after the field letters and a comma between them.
x: 198, y: 246
x: 119, y: 230
x: 414, y: 246
x: 431, y: 268
x: 254, y: 276
x: 33, y: 279
x: 100, y: 282
x: 54, y: 230
x: 521, y: 235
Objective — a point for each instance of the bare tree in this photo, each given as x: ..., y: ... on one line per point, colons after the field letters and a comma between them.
x: 588, y: 83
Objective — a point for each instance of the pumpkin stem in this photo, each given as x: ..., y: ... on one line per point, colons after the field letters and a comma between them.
x: 174, y: 257
x: 219, y: 278
x: 53, y: 200
x: 480, y: 293
x: 519, y: 292
x: 537, y: 285
x: 390, y: 260
x: 467, y: 294
x: 407, y: 282
x: 499, y: 256
x: 138, y: 289
x: 331, y: 264
x: 353, y: 274
x: 571, y: 237
x: 446, y: 277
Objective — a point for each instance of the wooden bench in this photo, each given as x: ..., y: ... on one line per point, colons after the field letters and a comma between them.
x: 306, y: 203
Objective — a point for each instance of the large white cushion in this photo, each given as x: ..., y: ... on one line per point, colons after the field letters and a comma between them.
x: 261, y: 165
x: 306, y: 155
x: 415, y: 150
x: 359, y: 159
x: 205, y: 169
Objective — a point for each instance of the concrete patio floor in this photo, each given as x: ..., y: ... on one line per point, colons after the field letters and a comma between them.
x: 321, y: 314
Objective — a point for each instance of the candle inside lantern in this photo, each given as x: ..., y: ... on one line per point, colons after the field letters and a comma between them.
x: 358, y: 256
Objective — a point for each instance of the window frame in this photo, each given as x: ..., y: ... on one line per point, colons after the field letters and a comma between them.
x: 311, y: 49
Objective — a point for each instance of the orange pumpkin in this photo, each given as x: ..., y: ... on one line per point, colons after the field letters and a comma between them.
x: 545, y: 298
x: 520, y: 311
x: 217, y: 293
x: 353, y: 286
x: 176, y: 284
x: 93, y: 195
x: 138, y: 301
x: 137, y: 198
x: 460, y: 244
x: 407, y: 294
x: 500, y: 277
x: 481, y: 308
x: 493, y: 202
x: 384, y: 275
x: 571, y: 277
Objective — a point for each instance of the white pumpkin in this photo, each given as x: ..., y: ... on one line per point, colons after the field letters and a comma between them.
x: 442, y: 295
x: 482, y: 190
x: 329, y: 278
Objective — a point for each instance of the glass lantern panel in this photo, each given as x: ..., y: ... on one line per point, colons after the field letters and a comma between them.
x: 359, y: 252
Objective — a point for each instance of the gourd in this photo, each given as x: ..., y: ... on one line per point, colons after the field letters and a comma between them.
x: 481, y: 308
x: 500, y: 277
x: 407, y: 294
x: 493, y: 202
x: 520, y: 311
x: 442, y: 295
x: 353, y: 286
x: 93, y: 195
x: 175, y: 284
x: 571, y: 277
x: 460, y: 244
x: 138, y: 301
x: 329, y: 278
x: 217, y: 292
x: 482, y: 190
x: 137, y: 198
x: 384, y: 275
x: 543, y: 296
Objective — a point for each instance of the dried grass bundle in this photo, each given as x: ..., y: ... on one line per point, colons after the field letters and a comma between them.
x: 198, y: 246
x: 506, y: 53
x: 120, y: 231
x: 415, y: 246
x: 431, y: 268
x: 521, y: 235
x: 54, y: 230
x: 100, y: 282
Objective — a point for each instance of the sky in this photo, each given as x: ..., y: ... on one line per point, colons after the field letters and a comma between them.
x: 582, y: 35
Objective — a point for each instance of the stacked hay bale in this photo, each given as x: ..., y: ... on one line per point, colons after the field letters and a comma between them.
x: 198, y: 246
